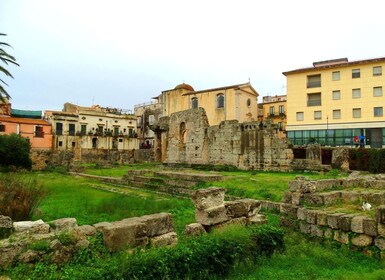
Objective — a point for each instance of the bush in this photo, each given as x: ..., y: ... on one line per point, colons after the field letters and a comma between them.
x: 372, y: 160
x: 19, y: 196
x: 14, y: 151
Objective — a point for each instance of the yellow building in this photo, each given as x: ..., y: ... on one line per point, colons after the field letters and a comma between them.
x: 337, y: 102
x: 236, y: 102
x: 274, y: 109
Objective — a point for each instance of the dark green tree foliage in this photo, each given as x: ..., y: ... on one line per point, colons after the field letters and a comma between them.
x: 15, y: 151
x: 372, y: 160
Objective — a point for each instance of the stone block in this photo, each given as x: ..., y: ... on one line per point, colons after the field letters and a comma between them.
x: 380, y: 214
x: 357, y: 224
x: 316, y: 231
x: 211, y: 216
x: 167, y: 239
x: 287, y: 197
x: 157, y: 224
x: 120, y: 235
x: 84, y: 231
x: 329, y: 233
x: 8, y: 253
x: 194, y: 229
x: 350, y: 196
x: 331, y: 198
x: 28, y: 256
x: 370, y: 227
x: 302, y: 213
x: 379, y: 242
x: 341, y: 237
x: 270, y: 205
x: 31, y: 227
x: 63, y: 224
x: 345, y: 222
x: 377, y: 198
x: 289, y: 210
x: 304, y: 227
x: 314, y: 199
x: 311, y: 217
x: 333, y: 220
x: 381, y: 229
x: 242, y: 208
x: 238, y: 221
x: 258, y: 219
x: 296, y: 198
x: 6, y: 226
x: 208, y: 198
x: 100, y: 226
x: 322, y: 218
x: 362, y: 240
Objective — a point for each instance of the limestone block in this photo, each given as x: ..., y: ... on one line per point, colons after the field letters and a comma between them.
x: 208, y: 198
x: 357, y: 224
x: 345, y: 222
x: 167, y: 239
x: 270, y: 205
x: 341, y: 237
x: 100, y: 226
x: 311, y: 217
x: 362, y: 240
x: 242, y: 207
x: 237, y: 221
x: 64, y: 224
x: 314, y: 199
x: 6, y: 226
x: 289, y: 210
x: 41, y: 237
x: 316, y: 231
x: 296, y: 198
x: 331, y: 198
x: 30, y: 227
x: 194, y: 229
x: 8, y: 253
x: 258, y: 219
x: 158, y: 224
x: 333, y: 220
x: 353, y: 182
x: 125, y: 233
x: 349, y: 196
x: 28, y: 256
x: 82, y: 244
x: 55, y: 244
x: 287, y: 197
x: 370, y: 227
x: 381, y: 229
x: 211, y: 216
x: 84, y: 231
x: 322, y: 218
x: 377, y: 198
x: 329, y: 233
x: 295, y: 185
x: 304, y: 227
x: 380, y: 214
x: 302, y: 213
x: 379, y: 242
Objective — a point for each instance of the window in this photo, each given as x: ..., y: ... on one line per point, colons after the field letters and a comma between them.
x: 356, y: 73
x: 83, y: 128
x: 357, y: 113
x: 281, y: 109
x: 377, y: 111
x: 356, y: 93
x: 220, y: 101
x: 314, y: 81
x: 336, y: 76
x: 336, y: 114
x: 248, y: 102
x: 194, y: 102
x: 39, y: 131
x: 377, y: 91
x: 151, y: 119
x: 2, y: 128
x: 59, y: 128
x: 116, y: 130
x: 317, y: 115
x: 299, y: 116
x: 271, y: 110
x: 377, y: 71
x: 71, y: 129
x: 336, y: 95
x: 314, y: 99
x: 280, y: 127
x: 60, y: 143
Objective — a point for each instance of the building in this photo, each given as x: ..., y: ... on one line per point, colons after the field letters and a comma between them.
x: 274, y: 109
x: 337, y: 102
x: 147, y: 115
x: 92, y: 128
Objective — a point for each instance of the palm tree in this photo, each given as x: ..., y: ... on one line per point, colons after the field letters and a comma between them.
x: 6, y: 59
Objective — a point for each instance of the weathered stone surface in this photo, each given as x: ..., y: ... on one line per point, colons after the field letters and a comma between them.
x: 345, y: 222
x: 63, y: 255
x: 333, y: 220
x: 8, y: 253
x: 242, y: 207
x: 301, y: 213
x: 237, y: 221
x: 362, y: 240
x: 331, y: 198
x: 84, y: 231
x: 31, y: 227
x: 64, y: 224
x: 41, y: 237
x: 28, y: 256
x: 296, y: 198
x: 6, y: 226
x: 167, y: 239
x: 314, y: 199
x: 55, y: 244
x: 270, y: 205
x: 258, y: 219
x: 100, y: 226
x: 208, y: 198
x: 349, y: 196
x: 381, y: 229
x: 194, y: 229
x: 379, y: 242
x: 370, y: 227
x: 311, y: 217
x: 304, y: 227
x: 287, y: 197
x: 289, y: 210
x: 211, y: 216
x: 322, y: 218
x: 329, y: 234
x: 357, y: 224
x: 316, y: 231
x: 380, y: 214
x: 158, y: 224
x: 340, y: 158
x: 82, y: 244
x: 377, y: 198
x: 125, y: 233
x: 341, y: 237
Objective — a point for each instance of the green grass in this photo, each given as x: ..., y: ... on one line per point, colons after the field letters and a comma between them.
x: 119, y: 170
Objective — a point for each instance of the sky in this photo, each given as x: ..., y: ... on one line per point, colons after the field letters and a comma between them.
x: 121, y: 53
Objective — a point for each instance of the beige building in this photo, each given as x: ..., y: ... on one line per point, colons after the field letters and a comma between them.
x: 337, y: 102
x: 147, y: 115
x: 274, y: 109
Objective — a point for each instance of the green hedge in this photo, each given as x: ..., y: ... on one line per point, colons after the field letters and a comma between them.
x: 14, y: 151
x: 372, y: 160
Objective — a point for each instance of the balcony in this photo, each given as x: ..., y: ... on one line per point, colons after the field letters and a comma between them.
x: 313, y: 103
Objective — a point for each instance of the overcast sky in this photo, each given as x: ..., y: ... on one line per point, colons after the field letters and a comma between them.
x: 122, y: 53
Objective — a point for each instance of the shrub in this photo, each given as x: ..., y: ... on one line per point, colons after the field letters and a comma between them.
x: 14, y: 151
x: 19, y: 196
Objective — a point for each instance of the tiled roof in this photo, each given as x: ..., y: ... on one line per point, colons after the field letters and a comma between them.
x: 24, y: 121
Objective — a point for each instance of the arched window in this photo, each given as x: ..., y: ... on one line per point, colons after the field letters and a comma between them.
x: 182, y: 132
x: 220, y: 101
x: 194, y: 102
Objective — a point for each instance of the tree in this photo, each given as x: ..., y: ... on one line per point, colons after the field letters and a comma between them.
x: 15, y: 151
x: 6, y: 59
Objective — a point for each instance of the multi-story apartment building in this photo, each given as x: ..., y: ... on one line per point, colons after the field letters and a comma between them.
x: 274, y: 109
x: 337, y: 102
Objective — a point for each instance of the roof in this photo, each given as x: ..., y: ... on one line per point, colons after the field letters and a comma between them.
x: 184, y: 86
x: 24, y: 120
x: 238, y: 86
x: 26, y: 114
x: 334, y: 63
